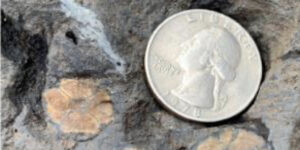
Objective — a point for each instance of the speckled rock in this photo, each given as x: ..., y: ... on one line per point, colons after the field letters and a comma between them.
x: 46, y: 42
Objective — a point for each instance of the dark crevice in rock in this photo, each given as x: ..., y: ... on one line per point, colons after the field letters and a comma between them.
x: 118, y: 63
x: 72, y: 36
x: 29, y: 54
x: 182, y: 148
x: 291, y: 55
x: 295, y: 138
x: 264, y: 53
x: 261, y: 129
x: 216, y: 5
x: 238, y: 119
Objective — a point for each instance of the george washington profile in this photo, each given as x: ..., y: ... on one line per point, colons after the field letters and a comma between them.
x: 209, y: 60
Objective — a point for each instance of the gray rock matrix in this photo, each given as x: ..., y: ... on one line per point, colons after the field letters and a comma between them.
x: 44, y: 41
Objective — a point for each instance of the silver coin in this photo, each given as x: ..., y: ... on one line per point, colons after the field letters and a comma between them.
x: 203, y: 65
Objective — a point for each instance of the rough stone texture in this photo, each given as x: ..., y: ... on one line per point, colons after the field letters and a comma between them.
x: 104, y: 41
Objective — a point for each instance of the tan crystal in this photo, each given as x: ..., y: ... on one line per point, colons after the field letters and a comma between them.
x: 78, y: 106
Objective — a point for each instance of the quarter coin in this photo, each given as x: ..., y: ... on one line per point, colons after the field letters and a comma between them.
x: 203, y: 65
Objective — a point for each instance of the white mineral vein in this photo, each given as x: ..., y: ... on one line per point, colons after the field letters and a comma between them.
x: 92, y: 29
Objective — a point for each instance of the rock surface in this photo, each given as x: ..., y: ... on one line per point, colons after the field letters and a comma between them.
x: 104, y: 41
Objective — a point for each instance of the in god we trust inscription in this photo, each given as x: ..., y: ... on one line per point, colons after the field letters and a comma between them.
x: 203, y: 65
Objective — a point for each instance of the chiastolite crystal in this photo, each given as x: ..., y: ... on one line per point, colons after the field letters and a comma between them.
x: 78, y: 106
x: 234, y: 139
